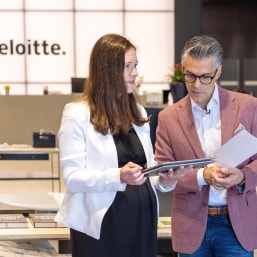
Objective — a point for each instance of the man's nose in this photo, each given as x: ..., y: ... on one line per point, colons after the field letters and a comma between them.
x: 197, y: 82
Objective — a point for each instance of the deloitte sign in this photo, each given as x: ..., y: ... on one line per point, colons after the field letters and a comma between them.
x: 31, y: 47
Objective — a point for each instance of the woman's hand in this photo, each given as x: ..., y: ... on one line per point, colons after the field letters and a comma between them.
x: 131, y: 173
x: 169, y: 178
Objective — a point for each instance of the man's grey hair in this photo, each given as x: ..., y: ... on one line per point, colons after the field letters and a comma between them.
x: 202, y: 46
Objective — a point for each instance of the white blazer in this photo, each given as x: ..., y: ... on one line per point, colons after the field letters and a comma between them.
x: 89, y: 164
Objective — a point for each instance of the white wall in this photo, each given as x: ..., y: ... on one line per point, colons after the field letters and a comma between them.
x: 46, y: 42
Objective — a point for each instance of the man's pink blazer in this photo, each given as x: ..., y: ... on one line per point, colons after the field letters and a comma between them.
x: 177, y: 139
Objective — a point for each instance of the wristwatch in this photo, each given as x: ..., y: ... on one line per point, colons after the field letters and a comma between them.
x: 241, y: 186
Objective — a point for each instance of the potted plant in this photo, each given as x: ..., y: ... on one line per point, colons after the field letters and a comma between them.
x: 177, y: 75
x: 177, y: 83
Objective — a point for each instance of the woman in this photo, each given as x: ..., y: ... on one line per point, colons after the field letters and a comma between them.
x: 104, y: 143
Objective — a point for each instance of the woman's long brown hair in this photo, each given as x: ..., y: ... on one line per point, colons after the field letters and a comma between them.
x: 112, y: 108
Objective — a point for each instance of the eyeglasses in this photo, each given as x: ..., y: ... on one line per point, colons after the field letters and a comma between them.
x: 204, y: 79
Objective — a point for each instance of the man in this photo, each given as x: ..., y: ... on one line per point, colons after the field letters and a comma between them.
x: 214, y: 208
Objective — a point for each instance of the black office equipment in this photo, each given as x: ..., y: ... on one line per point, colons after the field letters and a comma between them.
x: 77, y: 85
x: 43, y: 139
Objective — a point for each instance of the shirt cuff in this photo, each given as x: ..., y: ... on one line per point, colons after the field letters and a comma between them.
x: 166, y: 189
x: 200, y: 179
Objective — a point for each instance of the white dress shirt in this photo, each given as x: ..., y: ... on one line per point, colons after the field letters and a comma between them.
x: 208, y: 125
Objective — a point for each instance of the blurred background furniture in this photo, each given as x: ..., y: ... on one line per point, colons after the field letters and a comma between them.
x: 178, y: 91
x: 29, y: 169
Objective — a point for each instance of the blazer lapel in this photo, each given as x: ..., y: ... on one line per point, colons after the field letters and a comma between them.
x: 228, y: 109
x: 187, y: 125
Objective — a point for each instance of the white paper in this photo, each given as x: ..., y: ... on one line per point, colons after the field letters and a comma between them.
x: 238, y: 149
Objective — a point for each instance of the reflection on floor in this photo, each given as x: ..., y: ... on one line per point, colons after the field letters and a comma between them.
x: 27, y: 249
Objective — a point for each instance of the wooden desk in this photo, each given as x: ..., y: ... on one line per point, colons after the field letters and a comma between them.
x: 32, y: 233
x: 54, y: 235
x: 164, y: 246
x: 164, y: 232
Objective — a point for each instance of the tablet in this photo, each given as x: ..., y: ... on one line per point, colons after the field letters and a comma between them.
x: 164, y: 167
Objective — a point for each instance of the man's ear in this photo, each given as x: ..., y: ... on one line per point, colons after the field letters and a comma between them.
x: 219, y: 71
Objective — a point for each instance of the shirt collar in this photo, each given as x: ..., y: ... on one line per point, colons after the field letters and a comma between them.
x: 214, y: 100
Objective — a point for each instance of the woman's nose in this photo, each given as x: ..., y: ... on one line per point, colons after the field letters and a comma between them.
x: 134, y: 72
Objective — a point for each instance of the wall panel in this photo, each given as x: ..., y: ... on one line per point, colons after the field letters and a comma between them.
x: 51, y: 41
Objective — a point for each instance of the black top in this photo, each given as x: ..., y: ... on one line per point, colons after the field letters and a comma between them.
x: 132, y: 218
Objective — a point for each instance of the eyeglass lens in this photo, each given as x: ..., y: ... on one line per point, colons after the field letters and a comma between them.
x: 191, y: 78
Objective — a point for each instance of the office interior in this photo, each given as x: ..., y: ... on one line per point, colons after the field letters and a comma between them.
x: 41, y: 84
